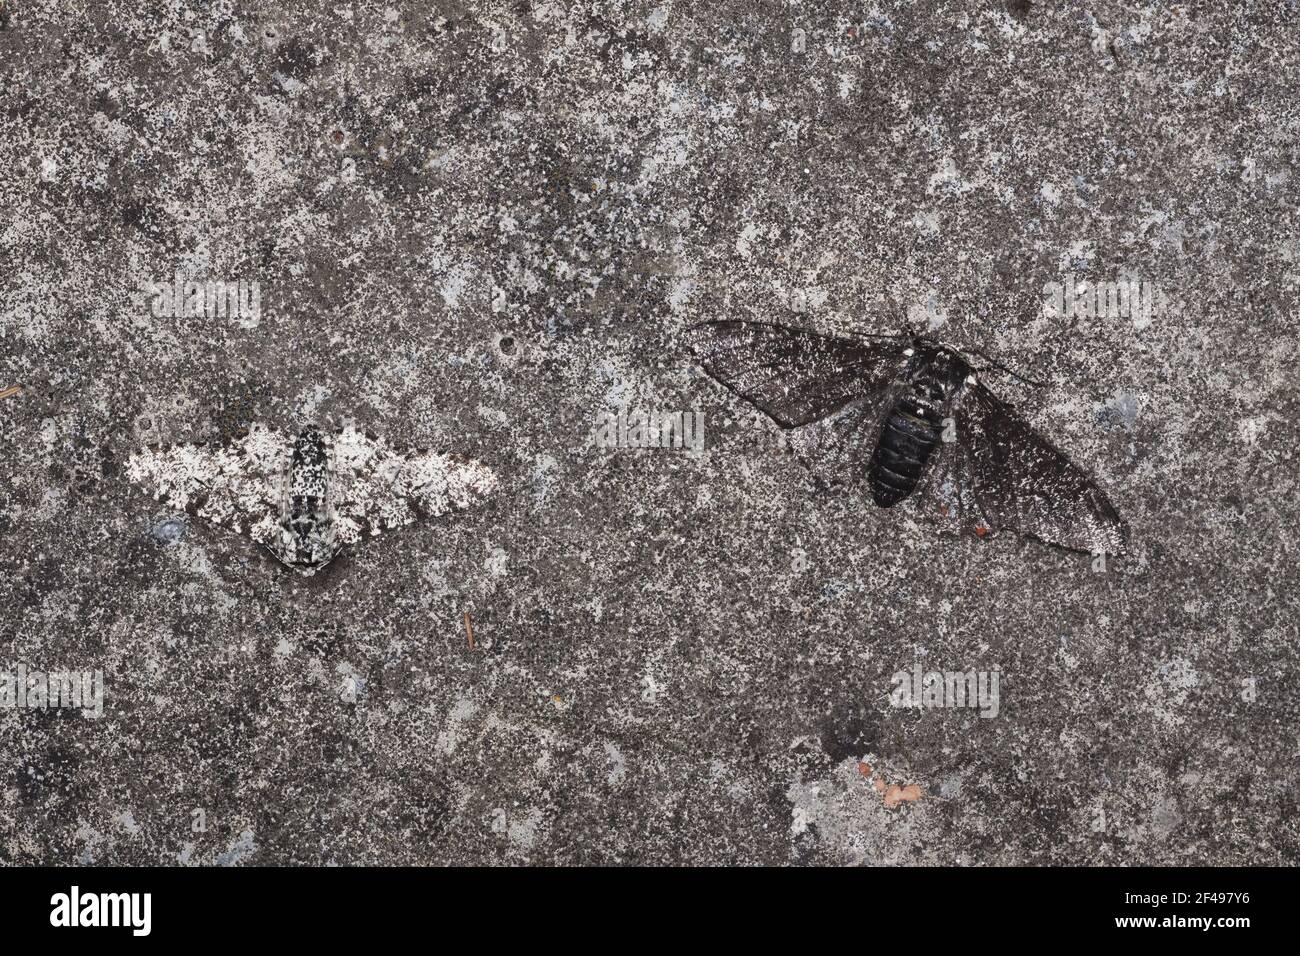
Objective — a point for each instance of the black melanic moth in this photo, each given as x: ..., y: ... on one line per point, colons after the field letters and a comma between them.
x: 911, y: 419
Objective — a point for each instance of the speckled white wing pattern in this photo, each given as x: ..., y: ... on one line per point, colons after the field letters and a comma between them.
x: 374, y: 488
x: 239, y: 486
x: 246, y: 486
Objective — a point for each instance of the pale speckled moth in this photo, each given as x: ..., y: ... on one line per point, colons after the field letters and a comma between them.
x: 305, y: 497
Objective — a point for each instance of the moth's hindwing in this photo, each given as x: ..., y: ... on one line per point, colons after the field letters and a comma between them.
x: 1024, y: 483
x: 836, y: 449
x: 946, y: 495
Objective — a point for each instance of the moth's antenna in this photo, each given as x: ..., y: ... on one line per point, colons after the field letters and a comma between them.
x: 880, y: 335
x: 998, y: 365
x: 993, y: 363
x: 345, y: 402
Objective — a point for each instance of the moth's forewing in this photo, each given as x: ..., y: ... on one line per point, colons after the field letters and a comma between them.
x: 380, y: 488
x: 436, y: 483
x: 234, y: 486
x: 368, y: 500
x: 794, y: 376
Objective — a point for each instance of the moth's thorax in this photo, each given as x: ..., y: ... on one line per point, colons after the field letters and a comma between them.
x: 309, y: 466
x: 309, y: 541
x: 934, y: 374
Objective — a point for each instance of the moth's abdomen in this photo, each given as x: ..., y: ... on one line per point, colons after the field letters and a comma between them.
x: 911, y: 431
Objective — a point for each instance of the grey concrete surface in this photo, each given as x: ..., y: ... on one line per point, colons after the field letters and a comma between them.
x: 480, y: 226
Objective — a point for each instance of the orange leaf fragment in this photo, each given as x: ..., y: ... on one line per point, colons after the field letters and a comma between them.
x: 896, y: 794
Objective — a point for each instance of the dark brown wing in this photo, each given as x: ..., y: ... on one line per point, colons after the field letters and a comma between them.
x: 1021, y: 482
x: 794, y: 376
